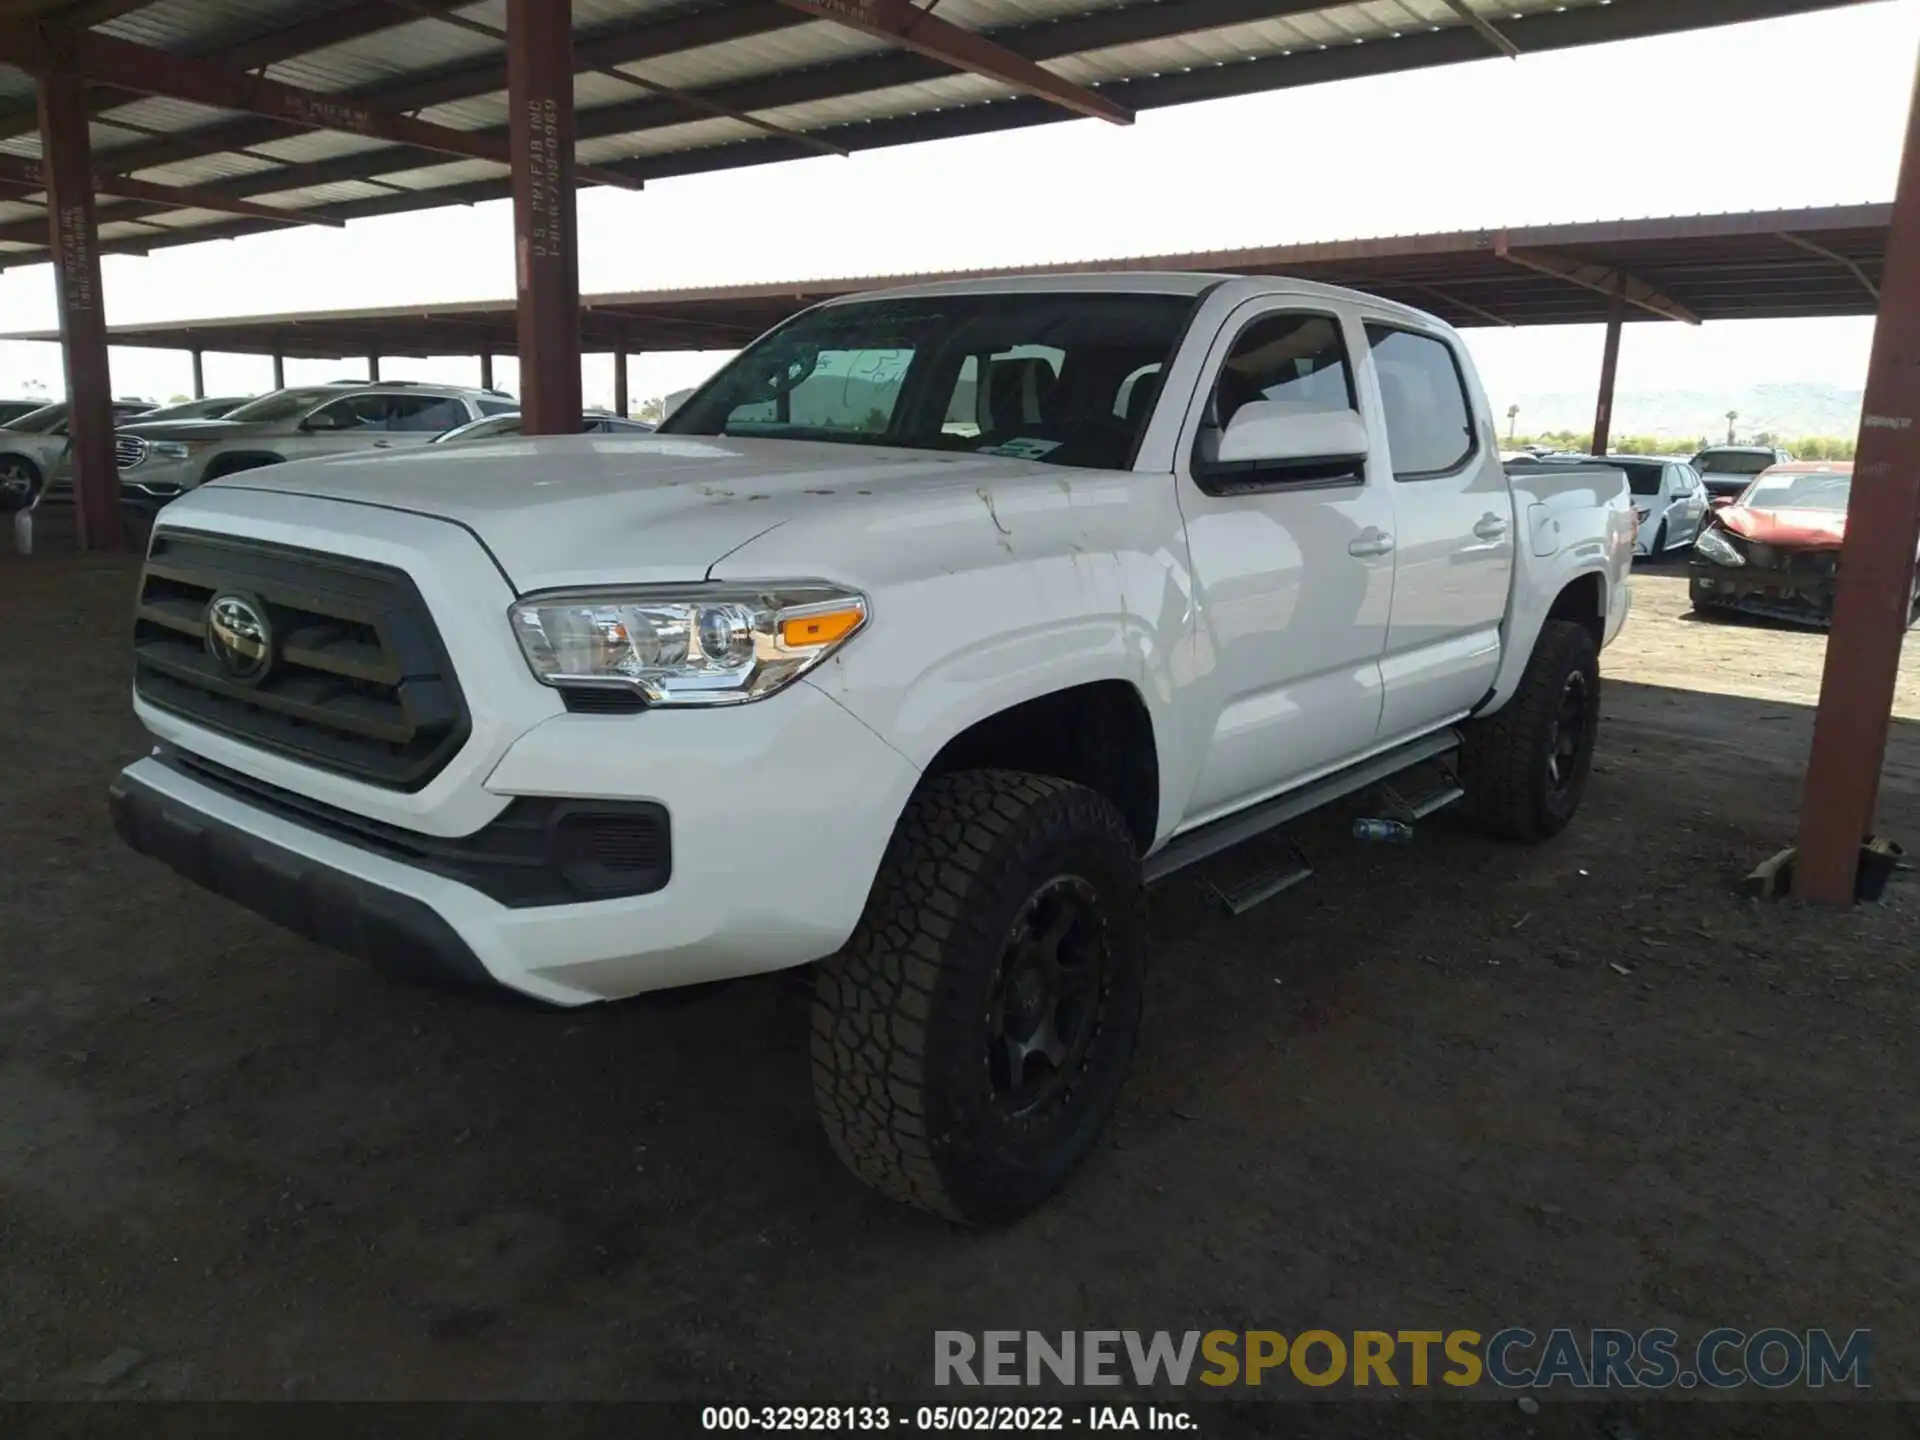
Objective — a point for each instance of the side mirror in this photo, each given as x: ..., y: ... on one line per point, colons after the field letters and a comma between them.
x: 1276, y: 432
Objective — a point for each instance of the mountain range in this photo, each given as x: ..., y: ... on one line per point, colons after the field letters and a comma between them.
x: 1794, y: 410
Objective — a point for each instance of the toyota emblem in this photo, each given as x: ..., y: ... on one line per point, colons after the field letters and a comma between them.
x: 239, y: 637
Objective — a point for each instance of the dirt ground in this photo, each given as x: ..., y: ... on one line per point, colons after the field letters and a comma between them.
x: 1455, y: 1084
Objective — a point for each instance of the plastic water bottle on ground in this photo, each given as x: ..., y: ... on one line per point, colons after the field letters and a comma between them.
x: 1382, y: 832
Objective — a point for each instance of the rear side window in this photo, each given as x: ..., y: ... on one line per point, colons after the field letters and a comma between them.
x: 1423, y: 398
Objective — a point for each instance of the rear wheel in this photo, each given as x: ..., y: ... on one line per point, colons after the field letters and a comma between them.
x: 1525, y: 767
x: 970, y: 1041
x: 19, y: 482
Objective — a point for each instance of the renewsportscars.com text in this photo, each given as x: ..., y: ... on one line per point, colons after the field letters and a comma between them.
x: 1771, y: 1358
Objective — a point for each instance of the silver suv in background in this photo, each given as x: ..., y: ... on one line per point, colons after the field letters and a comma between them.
x: 164, y: 459
x: 33, y: 446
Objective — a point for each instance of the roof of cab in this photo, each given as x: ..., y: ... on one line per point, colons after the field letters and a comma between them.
x: 1148, y: 282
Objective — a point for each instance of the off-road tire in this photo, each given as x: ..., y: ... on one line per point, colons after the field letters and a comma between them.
x: 1504, y: 762
x: 902, y: 1028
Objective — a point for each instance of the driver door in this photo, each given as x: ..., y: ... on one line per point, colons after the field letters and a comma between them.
x: 1292, y: 566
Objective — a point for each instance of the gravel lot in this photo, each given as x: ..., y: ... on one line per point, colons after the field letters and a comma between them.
x: 1453, y: 1084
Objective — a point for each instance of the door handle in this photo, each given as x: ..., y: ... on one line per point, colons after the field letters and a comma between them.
x: 1370, y: 541
x: 1490, y: 527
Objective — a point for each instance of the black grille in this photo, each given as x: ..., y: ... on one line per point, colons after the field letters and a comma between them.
x: 358, y: 682
x: 538, y: 851
x: 128, y: 450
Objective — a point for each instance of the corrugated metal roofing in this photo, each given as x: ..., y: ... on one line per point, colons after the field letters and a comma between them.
x: 813, y: 77
x: 1719, y: 266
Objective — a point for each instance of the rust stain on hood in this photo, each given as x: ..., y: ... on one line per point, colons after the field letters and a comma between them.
x: 1795, y: 529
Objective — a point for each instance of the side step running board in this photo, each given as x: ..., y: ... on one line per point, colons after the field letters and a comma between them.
x: 1230, y: 830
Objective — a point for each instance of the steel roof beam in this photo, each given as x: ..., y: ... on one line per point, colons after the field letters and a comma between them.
x: 1488, y: 30
x: 1815, y: 248
x: 334, y: 27
x: 1600, y: 278
x: 691, y: 100
x: 148, y: 71
x: 912, y: 27
x: 487, y: 75
x: 16, y: 170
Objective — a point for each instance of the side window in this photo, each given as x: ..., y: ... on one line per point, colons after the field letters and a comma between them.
x: 1423, y: 398
x: 353, y: 412
x: 424, y: 414
x: 498, y: 407
x: 1296, y: 360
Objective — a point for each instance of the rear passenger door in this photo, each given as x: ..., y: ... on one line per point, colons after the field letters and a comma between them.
x: 1453, y: 527
x: 1292, y: 565
x: 415, y: 419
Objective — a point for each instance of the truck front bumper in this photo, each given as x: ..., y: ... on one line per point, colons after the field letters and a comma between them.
x: 778, y: 815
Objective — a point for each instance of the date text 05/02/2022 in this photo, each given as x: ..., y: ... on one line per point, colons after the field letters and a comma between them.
x: 936, y: 1419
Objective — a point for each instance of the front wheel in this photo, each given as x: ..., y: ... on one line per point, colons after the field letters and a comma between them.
x: 1659, y: 541
x: 19, y: 482
x: 970, y: 1040
x: 1525, y: 767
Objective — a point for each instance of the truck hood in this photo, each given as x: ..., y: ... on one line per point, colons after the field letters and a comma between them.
x: 1793, y: 529
x: 575, y: 510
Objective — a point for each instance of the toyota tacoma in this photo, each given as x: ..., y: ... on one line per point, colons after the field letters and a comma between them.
x: 913, y: 646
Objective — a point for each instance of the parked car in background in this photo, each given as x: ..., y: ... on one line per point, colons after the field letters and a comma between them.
x: 594, y: 422
x: 33, y: 446
x: 1776, y: 550
x: 160, y: 461
x: 1669, y: 497
x: 1729, y: 469
x: 817, y: 676
x: 210, y: 408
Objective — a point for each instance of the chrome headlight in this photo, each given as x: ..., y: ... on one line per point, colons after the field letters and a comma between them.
x: 168, y: 450
x: 687, y: 644
x: 1717, y: 548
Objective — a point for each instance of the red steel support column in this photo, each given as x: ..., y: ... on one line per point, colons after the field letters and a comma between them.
x: 279, y: 371
x: 486, y: 370
x: 1876, y: 572
x: 373, y: 368
x: 199, y: 377
x: 546, y: 257
x: 67, y: 165
x: 1609, y: 364
x: 620, y: 383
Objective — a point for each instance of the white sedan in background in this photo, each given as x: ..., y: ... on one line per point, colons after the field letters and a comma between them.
x: 1669, y: 497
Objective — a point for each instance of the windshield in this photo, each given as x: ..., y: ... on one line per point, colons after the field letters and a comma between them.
x: 282, y: 404
x: 1035, y: 376
x: 1822, y: 490
x: 1732, y: 462
x: 508, y: 424
x: 43, y: 420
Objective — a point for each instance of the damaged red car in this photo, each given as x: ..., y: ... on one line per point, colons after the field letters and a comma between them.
x: 1776, y: 550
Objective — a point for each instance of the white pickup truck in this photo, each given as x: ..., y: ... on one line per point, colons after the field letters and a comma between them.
x: 919, y: 639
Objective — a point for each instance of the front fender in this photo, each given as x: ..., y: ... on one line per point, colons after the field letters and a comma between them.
x: 987, y: 599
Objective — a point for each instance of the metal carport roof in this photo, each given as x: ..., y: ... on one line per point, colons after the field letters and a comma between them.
x: 669, y: 87
x: 1775, y: 263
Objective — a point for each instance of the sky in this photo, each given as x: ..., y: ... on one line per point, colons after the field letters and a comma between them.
x: 1802, y: 111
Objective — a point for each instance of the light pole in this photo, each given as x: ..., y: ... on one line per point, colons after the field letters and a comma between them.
x: 1732, y: 415
x: 1513, y: 418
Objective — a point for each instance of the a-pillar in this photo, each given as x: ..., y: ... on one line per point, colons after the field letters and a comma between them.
x: 1876, y: 585
x: 546, y: 254
x: 1609, y: 364
x: 199, y: 377
x: 620, y: 383
x: 67, y: 169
